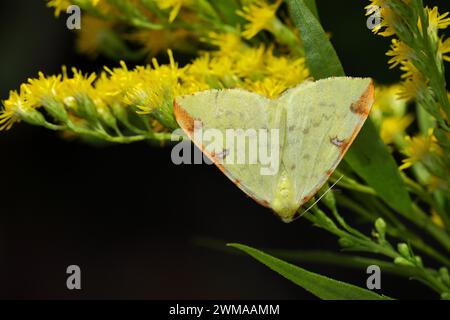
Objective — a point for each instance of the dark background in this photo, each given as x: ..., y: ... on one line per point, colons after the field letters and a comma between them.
x: 125, y: 214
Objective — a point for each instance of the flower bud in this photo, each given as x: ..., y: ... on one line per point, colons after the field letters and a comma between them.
x: 403, y: 262
x: 106, y: 117
x: 329, y: 200
x: 403, y: 249
x: 120, y: 112
x: 418, y: 261
x: 444, y: 275
x: 33, y: 117
x: 346, y: 242
x: 380, y: 226
x: 56, y: 109
x: 87, y: 109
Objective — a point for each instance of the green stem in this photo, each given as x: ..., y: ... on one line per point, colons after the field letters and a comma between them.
x: 419, y: 218
x: 324, y: 257
x: 398, y: 231
x: 351, y: 184
x: 417, y: 189
x: 362, y: 244
x: 102, y: 135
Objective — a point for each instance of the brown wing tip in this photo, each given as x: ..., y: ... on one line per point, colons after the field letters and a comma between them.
x: 362, y: 108
x: 183, y: 118
x: 187, y: 123
x: 364, y: 104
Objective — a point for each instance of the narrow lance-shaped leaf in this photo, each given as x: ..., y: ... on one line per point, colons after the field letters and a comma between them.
x: 321, y: 58
x: 320, y: 286
x: 368, y: 156
x: 312, y: 5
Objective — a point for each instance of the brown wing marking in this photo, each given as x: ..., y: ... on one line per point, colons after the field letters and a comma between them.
x: 186, y: 123
x: 363, y: 105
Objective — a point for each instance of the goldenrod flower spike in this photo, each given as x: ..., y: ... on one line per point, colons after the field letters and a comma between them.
x: 437, y: 21
x: 260, y: 15
x: 150, y: 90
x: 19, y: 106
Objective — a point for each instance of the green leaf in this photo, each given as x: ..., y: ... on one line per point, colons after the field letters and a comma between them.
x: 320, y: 286
x: 321, y: 58
x: 312, y: 5
x: 368, y: 155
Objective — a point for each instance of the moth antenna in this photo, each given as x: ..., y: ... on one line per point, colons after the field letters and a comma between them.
x: 320, y: 198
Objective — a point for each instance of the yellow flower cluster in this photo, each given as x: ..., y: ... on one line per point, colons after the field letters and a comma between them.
x: 260, y: 16
x: 385, y: 27
x: 62, y: 5
x: 417, y: 148
x: 157, y: 25
x: 102, y: 31
x: 437, y: 21
x: 257, y: 69
x: 46, y: 91
x: 401, y: 54
x: 151, y: 87
x: 389, y: 113
x: 13, y: 108
x: 419, y: 54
